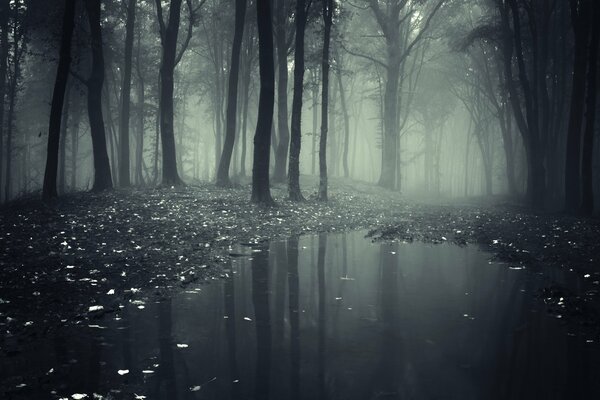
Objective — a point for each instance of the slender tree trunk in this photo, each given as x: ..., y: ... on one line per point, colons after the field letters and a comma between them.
x: 281, y: 151
x: 58, y: 96
x: 576, y: 114
x: 4, y: 45
x: 63, y: 142
x: 315, y: 115
x: 346, y: 125
x: 328, y: 6
x: 261, y: 192
x: 10, y: 122
x: 587, y: 170
x: 232, y: 97
x: 124, y: 174
x: 296, y: 140
x: 75, y: 141
x: 102, y: 175
x: 141, y: 88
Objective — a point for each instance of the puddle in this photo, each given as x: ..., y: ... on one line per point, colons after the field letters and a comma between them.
x: 324, y: 317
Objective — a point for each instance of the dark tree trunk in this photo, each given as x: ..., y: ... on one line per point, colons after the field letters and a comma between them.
x: 139, y: 151
x: 231, y: 113
x: 296, y: 139
x: 169, y: 33
x: 58, y: 96
x: 102, y: 175
x: 4, y: 10
x: 328, y: 6
x: 587, y: 167
x: 281, y: 150
x: 261, y: 192
x: 581, y: 21
x: 124, y: 175
x: 10, y: 121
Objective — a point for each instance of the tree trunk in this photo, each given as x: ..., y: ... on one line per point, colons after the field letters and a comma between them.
x: 576, y: 114
x: 124, y: 174
x: 102, y: 175
x: 63, y: 142
x: 390, y: 121
x: 4, y: 10
x: 315, y: 115
x: 261, y: 192
x: 170, y: 176
x: 281, y: 151
x: 75, y: 141
x: 230, y: 128
x: 587, y: 170
x: 328, y: 6
x: 296, y: 140
x: 141, y: 88
x: 346, y: 125
x: 58, y: 96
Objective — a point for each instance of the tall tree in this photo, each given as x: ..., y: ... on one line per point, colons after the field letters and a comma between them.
x: 261, y: 192
x: 391, y: 20
x: 328, y: 10
x: 58, y: 96
x: 124, y: 174
x: 296, y: 139
x: 581, y: 12
x: 232, y: 97
x: 587, y: 172
x: 4, y: 10
x: 169, y: 60
x: 102, y: 174
x: 281, y: 150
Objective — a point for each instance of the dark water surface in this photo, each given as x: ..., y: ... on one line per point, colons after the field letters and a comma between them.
x: 328, y: 317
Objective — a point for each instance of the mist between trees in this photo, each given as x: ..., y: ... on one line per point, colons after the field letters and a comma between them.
x: 440, y: 98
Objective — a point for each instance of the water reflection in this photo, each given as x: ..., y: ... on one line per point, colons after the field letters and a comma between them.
x: 328, y: 317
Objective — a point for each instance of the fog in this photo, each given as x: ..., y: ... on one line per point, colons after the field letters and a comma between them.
x: 449, y: 101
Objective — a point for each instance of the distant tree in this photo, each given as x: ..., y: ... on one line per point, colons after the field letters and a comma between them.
x: 261, y: 192
x: 232, y: 95
x: 58, y: 96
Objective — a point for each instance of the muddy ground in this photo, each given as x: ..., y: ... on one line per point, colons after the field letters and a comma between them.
x: 85, y: 254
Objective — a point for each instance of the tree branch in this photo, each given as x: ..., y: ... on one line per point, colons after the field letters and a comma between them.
x: 365, y: 56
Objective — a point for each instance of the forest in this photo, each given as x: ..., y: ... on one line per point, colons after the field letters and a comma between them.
x: 299, y: 199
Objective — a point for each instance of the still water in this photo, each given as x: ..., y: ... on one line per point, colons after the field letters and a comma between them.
x: 329, y: 317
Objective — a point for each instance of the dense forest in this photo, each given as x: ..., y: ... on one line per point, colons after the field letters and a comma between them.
x: 299, y: 199
x: 447, y: 98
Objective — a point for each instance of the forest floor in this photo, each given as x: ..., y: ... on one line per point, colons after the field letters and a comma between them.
x: 84, y: 255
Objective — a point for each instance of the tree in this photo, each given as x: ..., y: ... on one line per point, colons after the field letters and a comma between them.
x: 124, y: 174
x: 102, y: 174
x: 169, y: 60
x: 261, y: 192
x: 394, y: 21
x: 296, y: 138
x: 328, y: 10
x: 4, y: 12
x: 281, y: 150
x: 231, y: 114
x: 58, y: 96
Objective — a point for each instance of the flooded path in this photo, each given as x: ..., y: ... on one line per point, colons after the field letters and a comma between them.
x: 325, y: 317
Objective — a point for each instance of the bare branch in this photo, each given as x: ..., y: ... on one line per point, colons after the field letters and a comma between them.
x: 365, y: 56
